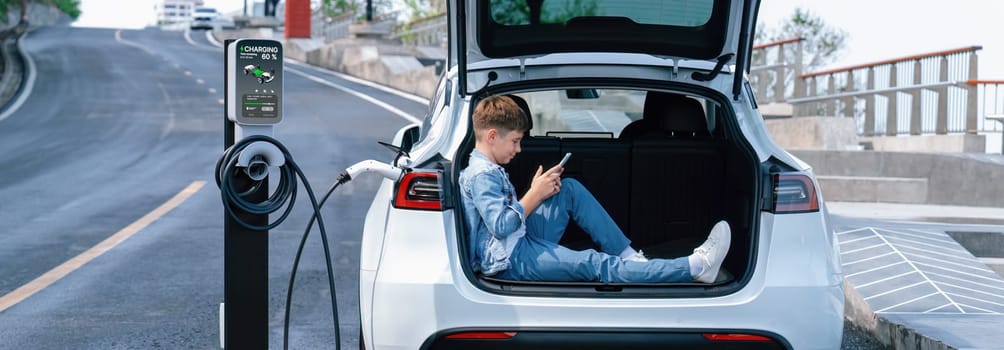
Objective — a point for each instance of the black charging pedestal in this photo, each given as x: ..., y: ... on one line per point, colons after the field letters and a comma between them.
x: 245, y: 259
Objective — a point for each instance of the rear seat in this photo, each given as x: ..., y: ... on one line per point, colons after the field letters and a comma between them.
x: 660, y: 181
x: 677, y: 172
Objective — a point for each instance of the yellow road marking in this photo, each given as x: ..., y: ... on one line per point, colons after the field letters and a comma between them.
x: 58, y: 272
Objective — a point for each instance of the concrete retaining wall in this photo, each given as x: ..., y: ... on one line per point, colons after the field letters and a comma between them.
x: 952, y: 179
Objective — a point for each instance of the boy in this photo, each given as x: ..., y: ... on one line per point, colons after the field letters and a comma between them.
x: 517, y: 239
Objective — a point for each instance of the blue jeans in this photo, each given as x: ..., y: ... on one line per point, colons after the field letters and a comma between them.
x: 538, y: 257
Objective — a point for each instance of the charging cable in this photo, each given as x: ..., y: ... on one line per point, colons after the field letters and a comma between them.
x: 386, y: 170
x: 285, y: 196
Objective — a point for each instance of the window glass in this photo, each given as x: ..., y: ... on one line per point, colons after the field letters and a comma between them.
x: 688, y: 13
x: 592, y: 113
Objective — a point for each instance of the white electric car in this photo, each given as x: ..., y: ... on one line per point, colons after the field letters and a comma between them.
x: 651, y: 99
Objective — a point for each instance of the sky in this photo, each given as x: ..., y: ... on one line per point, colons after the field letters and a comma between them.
x: 877, y: 29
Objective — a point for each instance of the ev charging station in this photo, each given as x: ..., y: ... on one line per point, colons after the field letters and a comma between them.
x: 253, y: 96
x: 253, y: 99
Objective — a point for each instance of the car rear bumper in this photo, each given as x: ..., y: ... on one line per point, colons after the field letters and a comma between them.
x: 550, y: 339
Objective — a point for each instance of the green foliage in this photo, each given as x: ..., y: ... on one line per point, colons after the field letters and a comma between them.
x: 418, y: 9
x: 822, y: 44
x: 335, y: 8
x: 69, y: 7
x: 519, y: 12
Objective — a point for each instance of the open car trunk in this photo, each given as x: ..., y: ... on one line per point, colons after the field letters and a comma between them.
x: 664, y: 166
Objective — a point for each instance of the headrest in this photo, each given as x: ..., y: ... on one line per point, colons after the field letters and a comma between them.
x: 526, y: 111
x: 674, y: 113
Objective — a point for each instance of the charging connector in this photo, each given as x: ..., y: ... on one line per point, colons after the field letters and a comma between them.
x: 386, y: 170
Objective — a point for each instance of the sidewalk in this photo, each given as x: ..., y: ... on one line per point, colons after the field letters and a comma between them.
x: 912, y: 284
x: 919, y: 212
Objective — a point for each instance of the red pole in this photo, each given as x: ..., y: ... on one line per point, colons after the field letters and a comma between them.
x: 297, y: 18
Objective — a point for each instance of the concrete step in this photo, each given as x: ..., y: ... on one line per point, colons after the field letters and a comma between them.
x: 873, y: 189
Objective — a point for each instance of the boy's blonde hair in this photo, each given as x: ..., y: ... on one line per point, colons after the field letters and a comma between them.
x: 500, y: 113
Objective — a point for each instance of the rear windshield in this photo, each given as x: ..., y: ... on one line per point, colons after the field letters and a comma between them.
x: 588, y: 113
x: 690, y: 28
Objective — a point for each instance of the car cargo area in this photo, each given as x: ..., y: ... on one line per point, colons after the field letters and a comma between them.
x: 665, y: 166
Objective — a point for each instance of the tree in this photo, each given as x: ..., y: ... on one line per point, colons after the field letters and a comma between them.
x: 69, y: 7
x: 822, y: 43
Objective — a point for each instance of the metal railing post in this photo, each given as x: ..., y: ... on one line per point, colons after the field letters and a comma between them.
x: 812, y: 109
x: 971, y: 97
x: 869, y: 127
x: 891, y: 128
x: 849, y: 101
x: 799, y: 90
x: 941, y: 123
x: 779, y: 83
x: 831, y: 88
x: 915, y: 103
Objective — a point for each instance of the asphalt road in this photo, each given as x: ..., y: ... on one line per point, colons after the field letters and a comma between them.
x: 117, y: 123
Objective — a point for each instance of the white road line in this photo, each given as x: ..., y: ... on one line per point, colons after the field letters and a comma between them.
x: 939, y: 307
x: 915, y: 268
x: 916, y: 299
x: 949, y: 262
x: 857, y: 239
x: 981, y: 309
x: 212, y: 40
x: 58, y: 272
x: 962, y: 251
x: 933, y: 233
x: 976, y: 299
x: 947, y: 239
x: 360, y: 95
x: 597, y: 120
x: 973, y: 290
x: 963, y: 280
x: 29, y: 83
x: 961, y: 273
x: 118, y: 38
x: 874, y: 269
x: 863, y: 249
x: 188, y: 38
x: 854, y: 230
x: 963, y: 258
x: 867, y: 259
x: 895, y: 290
x: 886, y: 279
x: 416, y: 98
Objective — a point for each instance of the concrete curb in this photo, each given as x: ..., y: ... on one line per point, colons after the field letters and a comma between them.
x: 12, y: 79
x: 894, y: 335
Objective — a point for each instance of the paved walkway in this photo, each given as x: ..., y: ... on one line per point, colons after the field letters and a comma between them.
x: 925, y: 289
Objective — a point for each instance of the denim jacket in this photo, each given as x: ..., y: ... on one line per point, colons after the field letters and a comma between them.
x: 495, y: 219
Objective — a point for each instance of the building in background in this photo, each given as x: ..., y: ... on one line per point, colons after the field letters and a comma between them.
x: 175, y: 11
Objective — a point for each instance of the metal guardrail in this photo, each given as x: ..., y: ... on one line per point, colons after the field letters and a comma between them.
x: 429, y: 31
x: 932, y: 93
x: 330, y: 28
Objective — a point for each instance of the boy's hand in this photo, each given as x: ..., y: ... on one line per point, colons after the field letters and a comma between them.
x: 546, y: 183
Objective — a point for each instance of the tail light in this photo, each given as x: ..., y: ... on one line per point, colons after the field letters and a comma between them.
x: 419, y: 190
x: 734, y: 337
x: 482, y: 335
x: 794, y: 193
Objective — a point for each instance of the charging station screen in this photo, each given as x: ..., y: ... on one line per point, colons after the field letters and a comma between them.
x: 257, y: 81
x: 260, y: 106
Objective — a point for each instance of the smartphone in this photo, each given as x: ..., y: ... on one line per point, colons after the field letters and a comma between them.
x: 565, y: 160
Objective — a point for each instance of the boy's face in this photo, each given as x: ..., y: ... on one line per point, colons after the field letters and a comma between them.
x: 504, y: 147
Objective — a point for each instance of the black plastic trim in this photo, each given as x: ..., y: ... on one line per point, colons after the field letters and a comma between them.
x: 528, y: 338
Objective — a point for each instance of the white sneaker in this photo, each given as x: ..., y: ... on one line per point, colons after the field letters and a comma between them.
x: 637, y: 257
x: 712, y: 252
